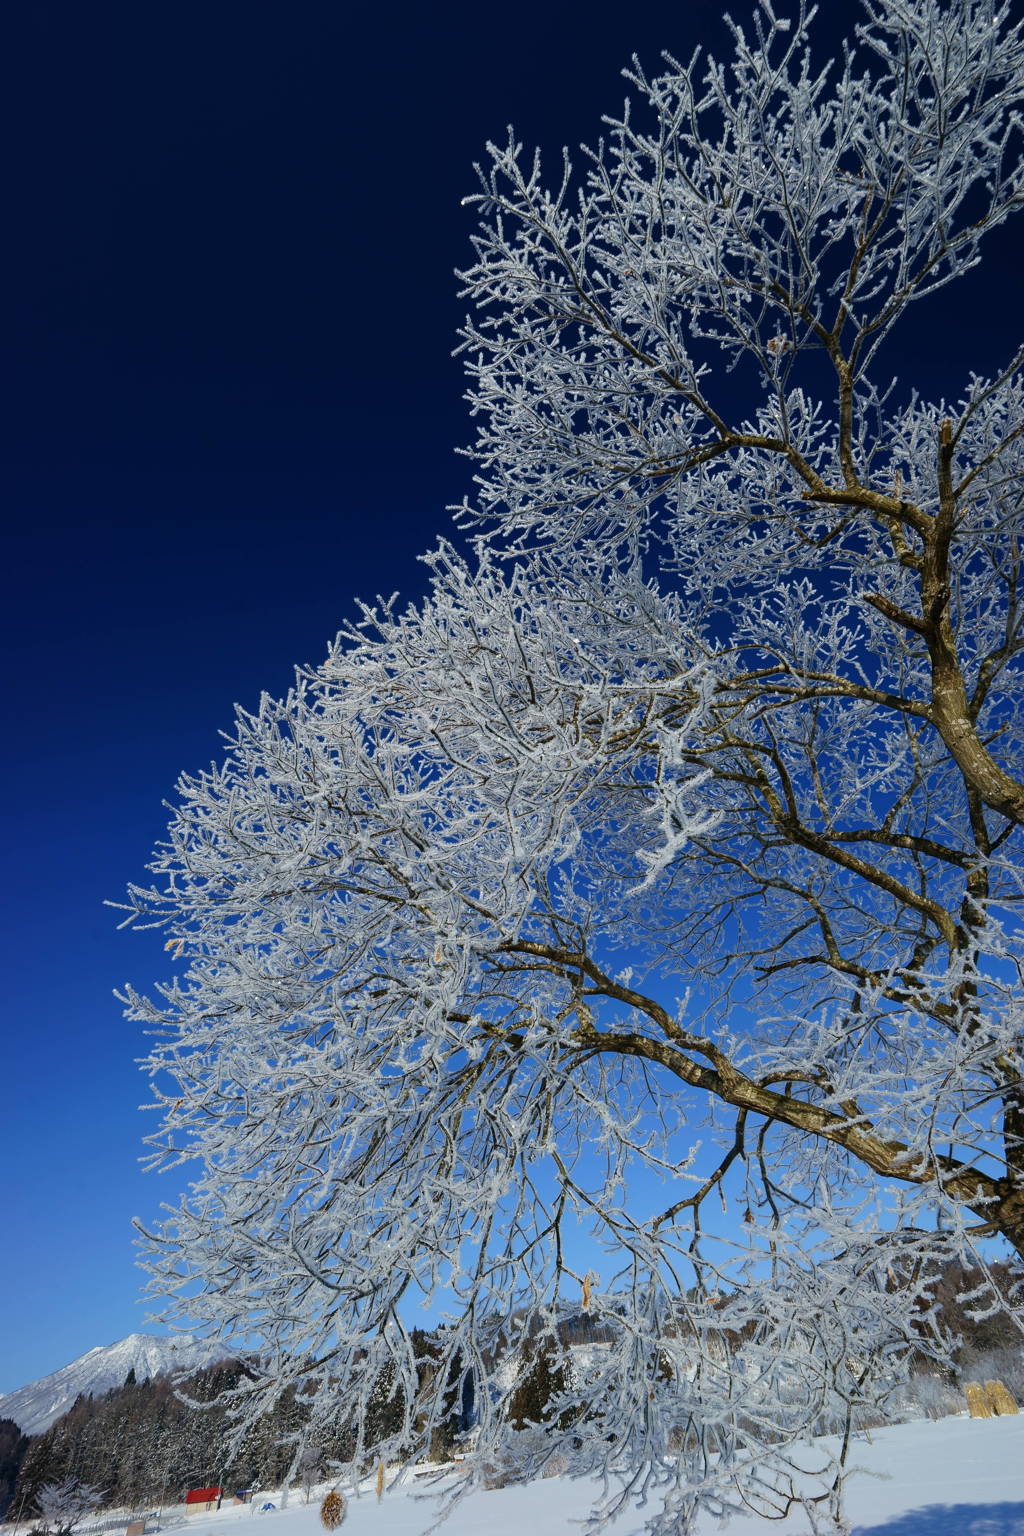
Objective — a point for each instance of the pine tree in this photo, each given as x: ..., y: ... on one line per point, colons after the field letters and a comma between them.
x: 544, y: 1376
x: 13, y: 1447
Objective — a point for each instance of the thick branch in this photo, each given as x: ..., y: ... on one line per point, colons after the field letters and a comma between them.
x: 998, y: 1202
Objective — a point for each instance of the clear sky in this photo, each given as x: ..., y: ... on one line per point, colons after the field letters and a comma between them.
x: 230, y: 410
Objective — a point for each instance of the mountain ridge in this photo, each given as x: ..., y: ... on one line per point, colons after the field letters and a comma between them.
x: 38, y: 1404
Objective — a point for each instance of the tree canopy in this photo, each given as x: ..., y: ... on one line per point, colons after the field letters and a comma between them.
x: 685, y: 809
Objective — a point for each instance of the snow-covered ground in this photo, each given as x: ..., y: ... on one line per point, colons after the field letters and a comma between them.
x: 955, y: 1477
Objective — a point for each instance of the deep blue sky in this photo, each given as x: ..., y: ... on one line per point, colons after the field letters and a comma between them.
x: 230, y: 410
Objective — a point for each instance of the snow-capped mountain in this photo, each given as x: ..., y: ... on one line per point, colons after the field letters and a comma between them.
x: 35, y: 1407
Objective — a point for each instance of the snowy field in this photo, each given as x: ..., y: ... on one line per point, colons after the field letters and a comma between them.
x: 956, y: 1477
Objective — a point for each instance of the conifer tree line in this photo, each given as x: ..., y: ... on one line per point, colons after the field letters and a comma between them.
x: 13, y: 1446
x: 146, y: 1443
x: 142, y: 1444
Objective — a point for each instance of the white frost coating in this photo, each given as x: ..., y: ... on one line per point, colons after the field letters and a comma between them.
x: 728, y: 709
x: 65, y: 1504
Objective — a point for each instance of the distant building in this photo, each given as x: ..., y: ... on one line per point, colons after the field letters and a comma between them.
x: 199, y: 1501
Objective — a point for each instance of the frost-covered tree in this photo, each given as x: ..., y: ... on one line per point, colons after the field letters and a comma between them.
x: 65, y: 1504
x: 666, y: 857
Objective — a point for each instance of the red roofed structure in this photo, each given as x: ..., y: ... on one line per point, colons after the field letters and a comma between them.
x: 201, y: 1500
